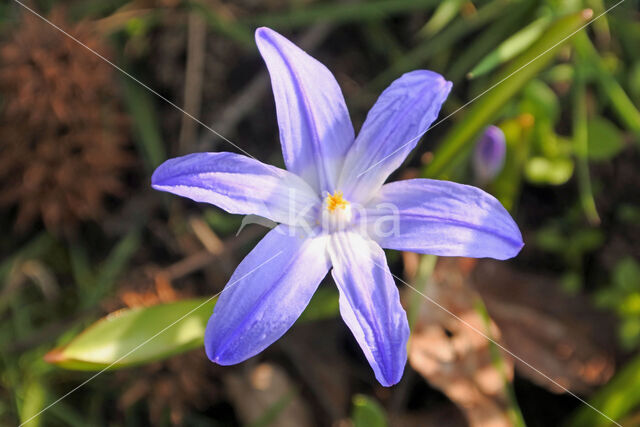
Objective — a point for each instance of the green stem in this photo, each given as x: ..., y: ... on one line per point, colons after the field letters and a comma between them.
x: 498, y: 363
x: 620, y: 102
x: 425, y: 270
x: 581, y: 147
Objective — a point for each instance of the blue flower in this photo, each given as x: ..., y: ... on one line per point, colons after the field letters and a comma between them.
x: 489, y: 153
x: 331, y: 215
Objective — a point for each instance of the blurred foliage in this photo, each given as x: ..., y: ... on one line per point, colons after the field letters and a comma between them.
x: 367, y: 412
x: 566, y: 98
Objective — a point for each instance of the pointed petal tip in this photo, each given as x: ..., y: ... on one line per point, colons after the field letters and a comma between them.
x: 218, y: 356
x: 219, y: 359
x: 389, y: 382
x: 431, y: 77
x: 517, y: 248
x: 265, y: 33
x: 262, y: 31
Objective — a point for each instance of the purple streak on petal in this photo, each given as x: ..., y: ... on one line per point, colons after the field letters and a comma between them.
x: 443, y: 218
x: 403, y: 112
x: 489, y: 153
x: 239, y: 185
x: 315, y: 128
x: 370, y: 304
x: 264, y: 298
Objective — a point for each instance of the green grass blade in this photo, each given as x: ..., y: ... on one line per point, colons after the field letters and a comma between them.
x: 417, y: 56
x: 484, y: 110
x: 620, y: 102
x: 339, y: 12
x: 145, y: 123
x: 491, y: 36
x: 444, y: 13
x: 581, y: 140
x: 511, y: 47
x: 229, y: 28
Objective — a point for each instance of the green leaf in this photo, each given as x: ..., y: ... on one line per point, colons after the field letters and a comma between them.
x: 555, y: 171
x: 444, y: 13
x: 634, y: 81
x: 323, y: 305
x: 32, y: 401
x: 367, y: 412
x: 626, y: 111
x: 145, y: 123
x: 605, y: 140
x: 581, y: 148
x: 511, y: 47
x: 513, y: 78
x: 626, y: 275
x: 541, y: 101
x: 141, y: 335
x: 134, y: 336
x: 112, y: 267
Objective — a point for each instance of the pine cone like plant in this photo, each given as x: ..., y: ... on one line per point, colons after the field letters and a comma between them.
x: 63, y: 138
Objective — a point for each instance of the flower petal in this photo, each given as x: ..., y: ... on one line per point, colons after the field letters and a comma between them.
x: 393, y: 127
x: 442, y: 218
x: 315, y: 128
x: 265, y: 295
x: 370, y: 304
x: 239, y: 185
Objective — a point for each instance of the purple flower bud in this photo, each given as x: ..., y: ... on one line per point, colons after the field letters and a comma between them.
x: 488, y: 157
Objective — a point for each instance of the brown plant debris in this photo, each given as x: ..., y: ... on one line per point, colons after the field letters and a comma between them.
x: 453, y: 357
x: 171, y: 387
x: 257, y: 389
x: 63, y: 137
x: 563, y: 336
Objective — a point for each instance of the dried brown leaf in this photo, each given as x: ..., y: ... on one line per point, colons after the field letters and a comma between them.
x: 453, y: 357
x: 561, y: 335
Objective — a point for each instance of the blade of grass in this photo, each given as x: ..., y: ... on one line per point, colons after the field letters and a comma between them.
x: 381, y: 41
x: 425, y: 270
x: 620, y: 102
x: 113, y: 267
x: 145, y: 124
x: 497, y: 360
x: 444, y: 13
x: 490, y: 37
x: 339, y: 12
x: 520, y: 71
x: 601, y: 26
x: 580, y: 140
x: 417, y: 57
x: 227, y: 27
x: 511, y: 47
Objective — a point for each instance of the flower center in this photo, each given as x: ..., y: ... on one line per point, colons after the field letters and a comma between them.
x: 336, y: 212
x: 336, y: 201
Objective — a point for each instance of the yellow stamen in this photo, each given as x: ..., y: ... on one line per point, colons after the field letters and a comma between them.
x: 335, y: 201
